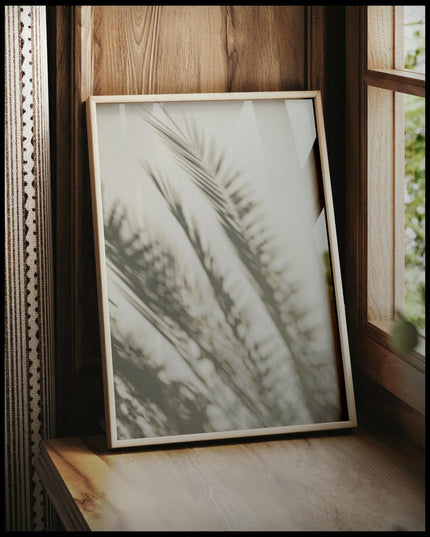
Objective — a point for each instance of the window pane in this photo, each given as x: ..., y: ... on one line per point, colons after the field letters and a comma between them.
x: 414, y: 305
x: 414, y: 38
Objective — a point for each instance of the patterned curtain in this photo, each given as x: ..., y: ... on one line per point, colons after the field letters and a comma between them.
x: 29, y: 322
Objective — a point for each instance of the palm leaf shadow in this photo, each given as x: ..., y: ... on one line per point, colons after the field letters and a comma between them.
x: 166, y: 407
x: 150, y: 285
x: 242, y: 225
x: 258, y: 356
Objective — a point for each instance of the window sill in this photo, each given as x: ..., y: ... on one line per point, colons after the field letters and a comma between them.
x: 383, y: 330
x: 272, y: 485
x: 404, y: 376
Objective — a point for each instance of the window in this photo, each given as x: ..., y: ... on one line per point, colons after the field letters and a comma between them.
x: 395, y: 165
x: 385, y: 166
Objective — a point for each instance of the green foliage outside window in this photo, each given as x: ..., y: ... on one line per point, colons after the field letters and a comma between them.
x: 414, y: 307
x: 404, y: 333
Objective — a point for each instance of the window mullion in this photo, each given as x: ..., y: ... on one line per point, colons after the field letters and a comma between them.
x: 391, y: 79
x: 398, y: 42
x: 380, y: 204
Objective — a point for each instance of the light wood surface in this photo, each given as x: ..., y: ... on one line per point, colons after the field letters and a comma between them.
x: 380, y: 206
x: 343, y: 482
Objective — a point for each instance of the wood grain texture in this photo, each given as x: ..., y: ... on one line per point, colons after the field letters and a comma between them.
x: 380, y: 205
x: 401, y: 81
x: 380, y: 42
x: 193, y: 49
x: 342, y: 483
x: 316, y: 49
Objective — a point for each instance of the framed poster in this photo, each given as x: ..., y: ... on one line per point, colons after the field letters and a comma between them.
x: 220, y: 295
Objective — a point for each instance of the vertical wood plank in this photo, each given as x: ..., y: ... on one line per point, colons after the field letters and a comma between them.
x: 265, y: 48
x: 380, y: 37
x: 316, y: 50
x: 196, y: 51
x: 125, y: 49
x: 59, y: 48
x: 381, y: 168
x: 399, y: 45
x: 356, y: 192
x: 380, y: 203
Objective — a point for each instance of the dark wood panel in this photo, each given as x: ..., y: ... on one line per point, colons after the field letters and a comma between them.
x: 265, y: 47
x: 59, y: 25
x: 316, y: 49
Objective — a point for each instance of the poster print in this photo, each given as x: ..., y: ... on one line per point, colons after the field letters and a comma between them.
x: 221, y: 304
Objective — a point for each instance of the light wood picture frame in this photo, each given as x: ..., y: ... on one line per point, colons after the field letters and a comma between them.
x: 220, y: 295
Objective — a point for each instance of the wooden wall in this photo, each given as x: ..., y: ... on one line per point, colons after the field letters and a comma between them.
x: 107, y: 50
